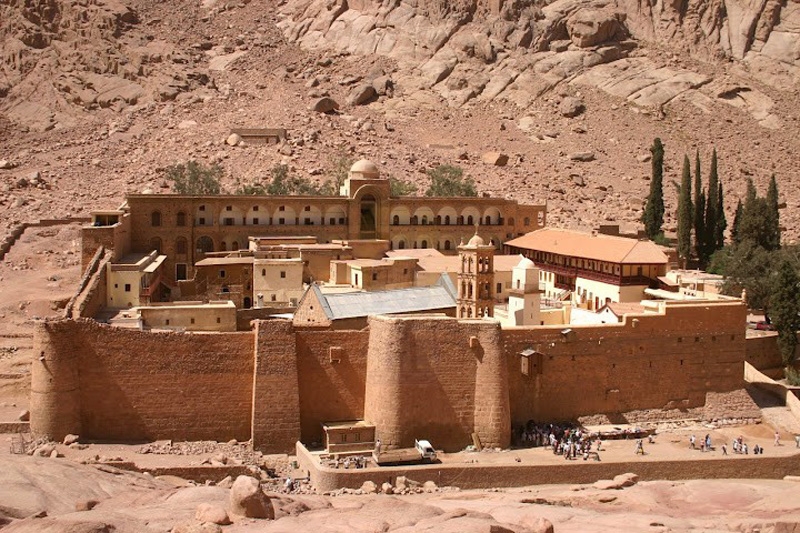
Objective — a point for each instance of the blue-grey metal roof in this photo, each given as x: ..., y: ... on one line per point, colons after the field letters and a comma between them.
x: 357, y: 304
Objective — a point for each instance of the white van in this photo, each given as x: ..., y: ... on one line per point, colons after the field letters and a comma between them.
x: 425, y: 449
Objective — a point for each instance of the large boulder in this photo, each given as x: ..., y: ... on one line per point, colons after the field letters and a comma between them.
x: 589, y: 27
x: 571, y: 107
x: 247, y: 499
x: 363, y: 94
x: 215, y: 514
x: 325, y: 105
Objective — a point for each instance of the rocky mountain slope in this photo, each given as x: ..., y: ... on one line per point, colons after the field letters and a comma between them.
x: 98, y: 96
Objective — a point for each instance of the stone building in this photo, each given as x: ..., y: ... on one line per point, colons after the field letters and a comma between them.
x: 187, y: 228
x: 594, y: 268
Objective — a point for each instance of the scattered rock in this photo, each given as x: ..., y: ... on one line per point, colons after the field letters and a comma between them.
x: 6, y: 165
x: 387, y: 488
x: 582, y: 156
x: 194, y: 527
x: 24, y: 416
x: 207, y: 512
x: 495, y: 158
x: 363, y: 94
x: 537, y: 524
x: 247, y: 499
x: 71, y: 439
x: 325, y: 105
x: 233, y: 139
x: 571, y: 107
x: 369, y: 487
x: 644, y: 158
x: 429, y: 486
x: 627, y: 479
x: 85, y: 505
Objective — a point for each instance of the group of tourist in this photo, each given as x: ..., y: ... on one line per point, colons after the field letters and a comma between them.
x: 563, y: 439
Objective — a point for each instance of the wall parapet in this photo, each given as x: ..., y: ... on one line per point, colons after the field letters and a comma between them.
x: 476, y: 476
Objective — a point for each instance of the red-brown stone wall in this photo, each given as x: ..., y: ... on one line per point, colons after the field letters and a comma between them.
x: 275, y: 399
x: 135, y: 385
x: 331, y: 381
x: 646, y: 362
x: 423, y: 381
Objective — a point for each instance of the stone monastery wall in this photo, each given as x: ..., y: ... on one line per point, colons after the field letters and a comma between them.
x: 413, y: 377
x: 653, y: 361
x: 118, y: 384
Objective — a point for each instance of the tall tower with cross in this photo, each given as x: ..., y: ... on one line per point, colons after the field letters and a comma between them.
x: 476, y: 279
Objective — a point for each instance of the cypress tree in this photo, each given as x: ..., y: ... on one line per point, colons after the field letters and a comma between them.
x: 685, y: 214
x: 784, y: 306
x: 699, y: 208
x: 653, y: 216
x: 774, y: 237
x: 712, y: 203
x: 722, y: 222
x: 751, y: 193
x: 737, y: 221
x: 700, y: 230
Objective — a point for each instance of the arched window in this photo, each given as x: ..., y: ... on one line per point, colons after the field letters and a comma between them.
x: 446, y: 245
x: 401, y: 245
x: 396, y: 220
x: 205, y: 245
x: 414, y: 220
x: 460, y: 220
x: 437, y: 220
x: 424, y: 244
x: 155, y: 244
x: 155, y: 218
x: 447, y: 220
x: 235, y: 245
x: 180, y: 219
x: 181, y: 246
x: 470, y: 220
x: 424, y: 220
x: 263, y: 272
x: 488, y: 220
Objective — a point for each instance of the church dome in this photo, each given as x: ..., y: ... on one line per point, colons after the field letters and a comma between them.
x: 526, y: 263
x: 366, y: 168
x: 476, y: 240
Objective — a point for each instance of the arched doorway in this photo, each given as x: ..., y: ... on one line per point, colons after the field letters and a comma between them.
x: 369, y: 217
x: 247, y: 302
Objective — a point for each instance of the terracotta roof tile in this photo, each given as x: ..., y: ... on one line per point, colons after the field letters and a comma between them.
x: 588, y: 246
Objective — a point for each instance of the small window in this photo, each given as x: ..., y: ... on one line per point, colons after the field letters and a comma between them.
x: 116, y: 286
x: 307, y: 221
x: 282, y: 208
x: 307, y: 208
x: 283, y: 273
x: 680, y: 339
x: 219, y: 320
x: 405, y: 271
x: 228, y: 208
x: 155, y: 218
x: 263, y: 272
x: 341, y: 220
x: 697, y: 339
x: 255, y: 221
x: 221, y: 273
x: 281, y: 221
x: 255, y: 208
x: 202, y: 208
x: 202, y: 221
x: 499, y: 288
x: 192, y: 320
x: 374, y: 276
x: 127, y: 287
x: 527, y: 221
x: 332, y: 221
x: 180, y: 219
x: 273, y: 298
x: 229, y: 222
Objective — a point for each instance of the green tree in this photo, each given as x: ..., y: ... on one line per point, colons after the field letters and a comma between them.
x: 712, y: 204
x: 285, y: 184
x: 784, y: 308
x: 338, y: 172
x: 722, y: 221
x: 399, y: 187
x: 194, y: 178
x: 653, y: 216
x: 737, y: 221
x: 774, y: 236
x: 685, y: 214
x: 699, y: 208
x: 449, y: 181
x: 746, y: 266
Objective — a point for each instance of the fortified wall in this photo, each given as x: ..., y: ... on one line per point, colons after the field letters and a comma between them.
x: 436, y: 377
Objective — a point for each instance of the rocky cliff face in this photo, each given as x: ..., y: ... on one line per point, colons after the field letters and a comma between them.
x: 518, y: 51
x: 63, y: 57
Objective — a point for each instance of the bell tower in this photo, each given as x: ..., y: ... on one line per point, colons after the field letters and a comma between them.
x: 476, y: 279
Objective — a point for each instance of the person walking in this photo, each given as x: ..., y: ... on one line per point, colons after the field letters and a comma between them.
x: 777, y: 438
x: 639, y: 447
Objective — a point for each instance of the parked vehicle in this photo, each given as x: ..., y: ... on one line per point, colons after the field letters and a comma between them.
x: 425, y: 450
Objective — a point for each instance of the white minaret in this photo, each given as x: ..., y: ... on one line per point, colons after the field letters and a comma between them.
x: 524, y: 298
